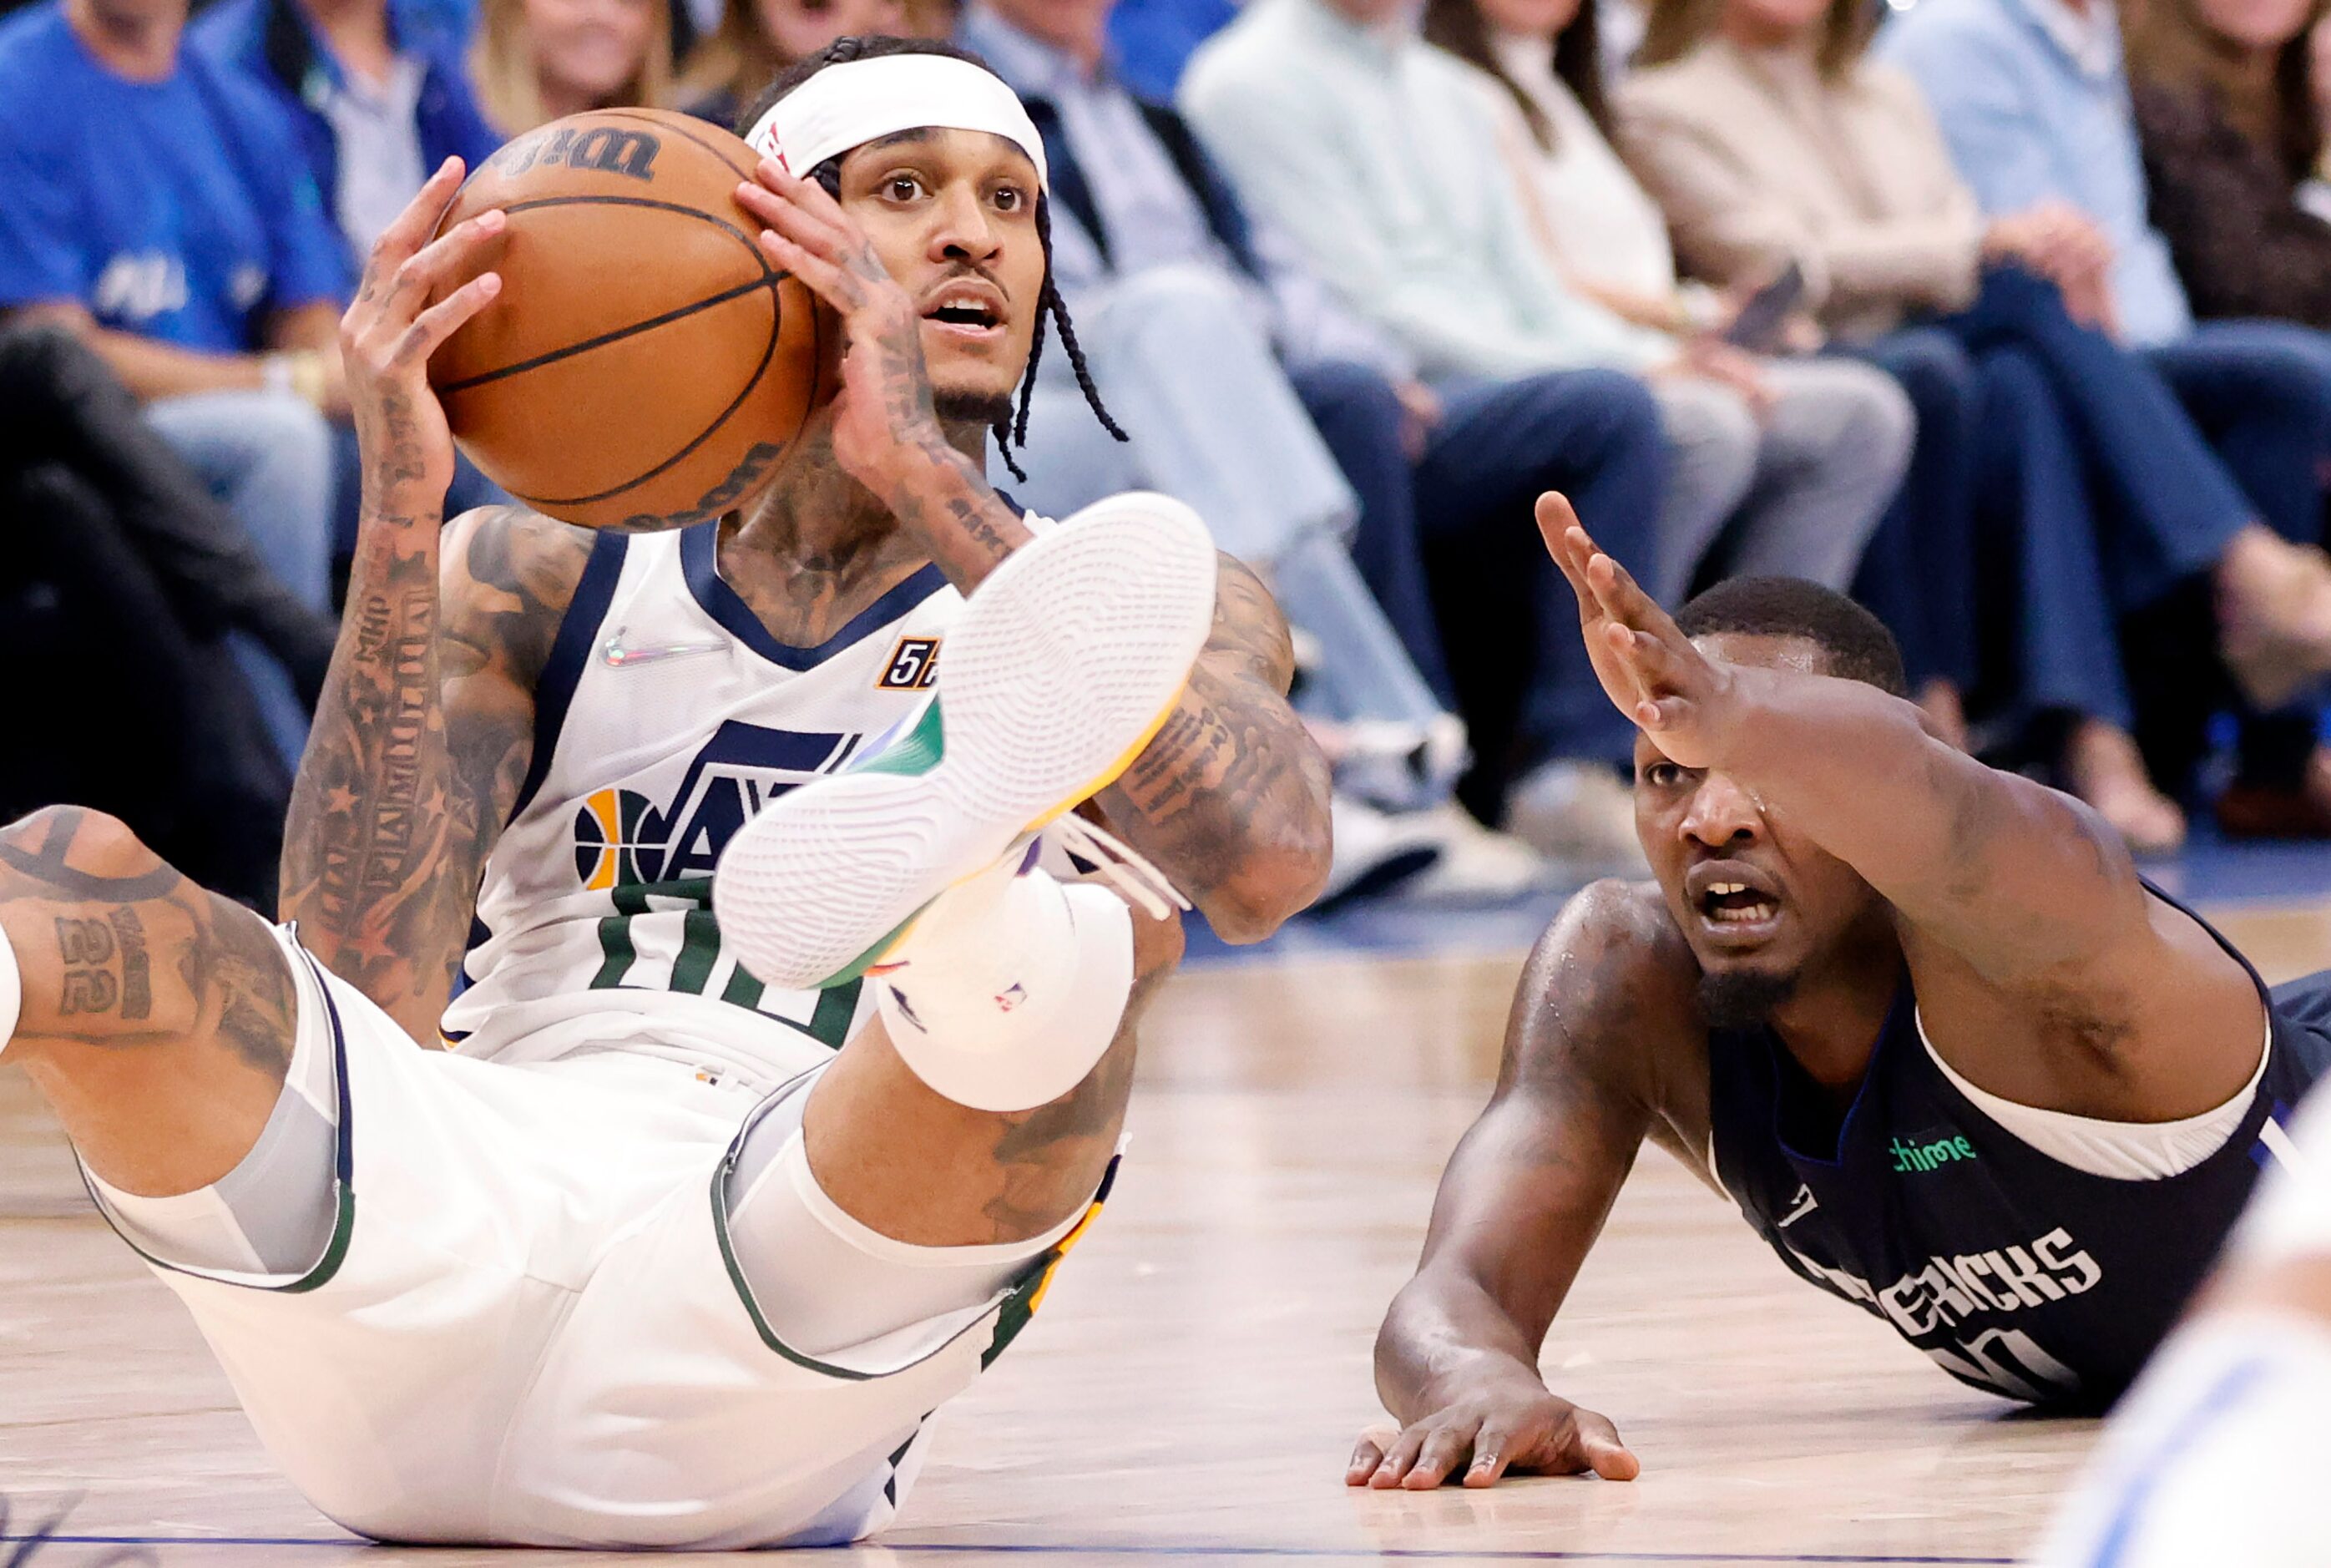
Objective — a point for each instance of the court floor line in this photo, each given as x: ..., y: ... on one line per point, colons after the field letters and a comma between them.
x: 1173, y: 1549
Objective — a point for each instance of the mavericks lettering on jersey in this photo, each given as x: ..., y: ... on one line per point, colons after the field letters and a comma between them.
x: 1924, y: 1306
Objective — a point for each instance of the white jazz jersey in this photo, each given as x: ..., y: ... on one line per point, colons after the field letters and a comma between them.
x: 666, y: 716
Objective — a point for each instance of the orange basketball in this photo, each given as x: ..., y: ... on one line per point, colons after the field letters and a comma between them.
x: 643, y: 364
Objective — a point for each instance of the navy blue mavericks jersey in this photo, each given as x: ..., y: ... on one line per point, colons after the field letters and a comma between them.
x: 2020, y: 1275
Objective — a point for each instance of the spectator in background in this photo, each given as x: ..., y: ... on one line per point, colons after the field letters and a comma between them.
x: 1379, y: 154
x: 1608, y: 239
x: 378, y: 96
x: 536, y: 61
x: 119, y: 567
x: 1153, y: 40
x: 376, y: 91
x: 756, y: 39
x: 156, y: 208
x: 1772, y: 139
x: 2033, y: 101
x: 2226, y: 107
x: 1182, y: 301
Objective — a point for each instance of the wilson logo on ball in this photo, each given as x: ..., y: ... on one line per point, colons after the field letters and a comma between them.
x: 601, y: 148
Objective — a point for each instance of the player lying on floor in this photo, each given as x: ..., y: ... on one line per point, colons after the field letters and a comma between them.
x: 1919, y: 1019
x: 688, y: 1243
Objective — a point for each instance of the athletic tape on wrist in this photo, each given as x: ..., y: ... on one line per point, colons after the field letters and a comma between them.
x: 861, y: 100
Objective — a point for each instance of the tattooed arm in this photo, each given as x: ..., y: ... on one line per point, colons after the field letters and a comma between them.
x: 424, y: 734
x: 1231, y: 798
x: 425, y: 725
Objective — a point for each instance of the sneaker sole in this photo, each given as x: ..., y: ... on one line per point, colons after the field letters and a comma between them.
x: 1063, y: 666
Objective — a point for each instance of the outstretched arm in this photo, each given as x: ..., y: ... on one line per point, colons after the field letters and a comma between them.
x: 2025, y: 885
x: 425, y: 726
x: 1520, y: 1206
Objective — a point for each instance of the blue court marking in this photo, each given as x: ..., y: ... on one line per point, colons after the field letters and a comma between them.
x: 1162, y: 1549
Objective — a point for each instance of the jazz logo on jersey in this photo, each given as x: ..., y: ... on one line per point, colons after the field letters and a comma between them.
x: 623, y: 839
x: 914, y: 665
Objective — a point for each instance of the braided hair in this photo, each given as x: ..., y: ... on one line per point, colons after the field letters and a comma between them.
x: 1011, y: 432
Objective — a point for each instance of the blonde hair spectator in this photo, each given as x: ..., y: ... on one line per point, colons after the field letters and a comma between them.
x: 756, y: 39
x: 542, y: 60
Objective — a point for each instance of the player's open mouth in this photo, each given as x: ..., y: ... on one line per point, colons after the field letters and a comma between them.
x: 1737, y: 904
x: 969, y: 309
x: 1733, y: 899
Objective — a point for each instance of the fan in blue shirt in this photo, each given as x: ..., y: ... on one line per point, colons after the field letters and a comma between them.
x: 377, y: 94
x: 172, y: 208
x: 157, y: 209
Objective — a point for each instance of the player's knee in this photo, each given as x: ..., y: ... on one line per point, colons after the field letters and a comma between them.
x: 75, y: 839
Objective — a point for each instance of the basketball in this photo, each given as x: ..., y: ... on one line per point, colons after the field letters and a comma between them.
x: 644, y: 364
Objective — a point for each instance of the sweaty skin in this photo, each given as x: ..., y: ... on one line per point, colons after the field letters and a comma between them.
x: 2046, y: 971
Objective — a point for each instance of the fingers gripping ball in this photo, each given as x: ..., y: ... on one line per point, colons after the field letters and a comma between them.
x: 644, y: 364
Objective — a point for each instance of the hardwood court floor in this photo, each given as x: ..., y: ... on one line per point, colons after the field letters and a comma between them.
x: 1191, y: 1388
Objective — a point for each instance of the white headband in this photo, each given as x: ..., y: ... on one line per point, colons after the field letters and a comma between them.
x: 861, y: 100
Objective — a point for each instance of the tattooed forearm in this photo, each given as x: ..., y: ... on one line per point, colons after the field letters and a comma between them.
x: 418, y: 746
x: 946, y: 503
x: 1231, y: 798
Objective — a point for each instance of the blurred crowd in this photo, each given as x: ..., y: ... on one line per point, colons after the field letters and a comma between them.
x: 2011, y: 316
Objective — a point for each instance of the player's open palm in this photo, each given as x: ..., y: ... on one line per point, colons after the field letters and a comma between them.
x: 886, y: 391
x: 1515, y: 1427
x: 388, y: 332
x: 1648, y: 666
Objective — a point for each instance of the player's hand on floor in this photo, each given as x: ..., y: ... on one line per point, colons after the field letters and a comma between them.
x: 886, y: 390
x: 1482, y: 1437
x: 388, y: 332
x: 1648, y: 666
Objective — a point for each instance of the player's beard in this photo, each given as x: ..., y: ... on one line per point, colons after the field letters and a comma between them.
x: 1734, y: 998
x: 959, y: 407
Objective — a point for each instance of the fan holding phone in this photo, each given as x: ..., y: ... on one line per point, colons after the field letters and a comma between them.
x: 1790, y: 462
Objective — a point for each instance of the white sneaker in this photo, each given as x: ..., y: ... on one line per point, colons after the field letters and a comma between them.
x: 1060, y: 669
x: 1376, y: 850
x: 1478, y: 864
x: 1578, y: 812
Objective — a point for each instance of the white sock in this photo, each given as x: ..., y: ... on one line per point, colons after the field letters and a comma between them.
x: 11, y: 991
x: 1009, y: 988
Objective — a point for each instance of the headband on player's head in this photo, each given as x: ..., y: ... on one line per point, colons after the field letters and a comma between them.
x: 861, y: 100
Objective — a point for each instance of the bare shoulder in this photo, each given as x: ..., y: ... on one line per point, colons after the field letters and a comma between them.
x: 1608, y: 1006
x: 509, y: 575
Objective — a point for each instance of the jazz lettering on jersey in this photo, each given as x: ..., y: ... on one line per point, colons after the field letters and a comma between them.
x: 1928, y: 1305
x: 654, y: 861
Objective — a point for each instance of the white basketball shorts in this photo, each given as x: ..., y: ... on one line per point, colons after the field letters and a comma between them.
x: 529, y: 1327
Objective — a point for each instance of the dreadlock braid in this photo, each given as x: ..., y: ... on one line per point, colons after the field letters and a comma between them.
x: 1075, y: 351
